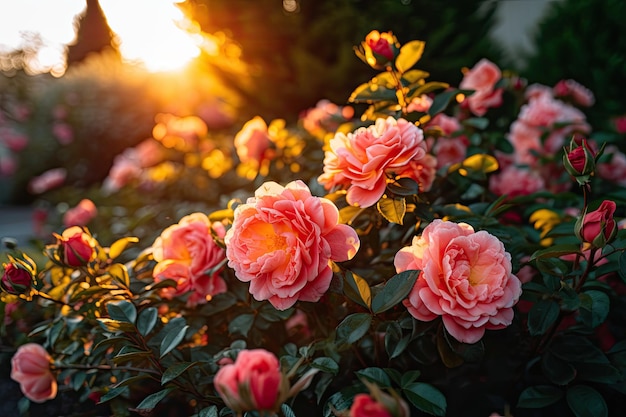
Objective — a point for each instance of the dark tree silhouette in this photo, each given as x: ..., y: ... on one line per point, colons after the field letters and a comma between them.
x: 93, y: 34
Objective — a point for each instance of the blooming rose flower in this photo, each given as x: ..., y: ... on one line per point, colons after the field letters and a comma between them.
x: 30, y: 366
x: 363, y: 160
x: 420, y: 104
x: 465, y: 278
x: 615, y: 169
x: 50, y: 179
x: 83, y: 213
x: 76, y: 247
x: 578, y: 93
x: 15, y: 279
x: 325, y: 117
x: 282, y: 241
x: 515, y: 181
x: 187, y: 253
x: 482, y: 78
x: 365, y: 406
x: 252, y: 382
x: 598, y: 226
x: 253, y: 141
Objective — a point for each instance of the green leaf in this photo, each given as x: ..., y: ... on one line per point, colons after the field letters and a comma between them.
x: 286, y: 411
x: 539, y: 396
x: 152, y: 400
x: 622, y: 266
x: 598, y: 372
x: 120, y: 245
x: 426, y: 398
x: 404, y: 187
x: 392, y: 209
x: 429, y: 87
x: 575, y: 348
x: 410, y: 53
x: 394, y: 291
x: 119, y: 273
x: 585, y: 401
x: 173, y: 333
x: 241, y: 324
x: 131, y: 355
x: 357, y: 289
x: 594, y: 307
x: 441, y: 101
x: 477, y: 122
x: 123, y: 311
x: 132, y: 380
x: 557, y: 370
x: 542, y: 316
x: 147, y: 320
x: 114, y: 392
x: 370, y: 93
x: 325, y: 364
x: 175, y: 370
x: 353, y: 327
x: 375, y: 375
x: 395, y: 343
x: 409, y: 377
x: 556, y: 251
x: 210, y: 411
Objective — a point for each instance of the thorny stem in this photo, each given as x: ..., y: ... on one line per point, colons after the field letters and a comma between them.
x: 399, y: 90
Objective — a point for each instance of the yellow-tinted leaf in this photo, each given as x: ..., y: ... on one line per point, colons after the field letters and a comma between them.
x: 410, y: 53
x: 479, y: 163
x: 392, y: 209
x: 120, y: 245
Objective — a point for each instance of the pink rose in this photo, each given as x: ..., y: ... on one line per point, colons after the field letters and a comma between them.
x: 465, y: 278
x: 76, y: 247
x: 30, y: 367
x: 187, y: 253
x: 8, y: 165
x: 420, y: 104
x: 620, y: 124
x: 325, y: 117
x: 282, y: 241
x: 598, y: 226
x: 615, y: 169
x: 515, y: 181
x: 363, y: 161
x: 252, y: 382
x: 576, y: 92
x: 50, y: 179
x: 84, y: 212
x: 253, y: 141
x: 380, y: 48
x: 63, y: 133
x: 482, y: 78
x: 366, y: 406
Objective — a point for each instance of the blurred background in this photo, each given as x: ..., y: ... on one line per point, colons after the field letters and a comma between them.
x: 83, y: 80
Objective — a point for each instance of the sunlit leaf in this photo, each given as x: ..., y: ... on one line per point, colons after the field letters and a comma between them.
x: 369, y: 93
x: 120, y: 245
x: 394, y: 291
x: 357, y: 289
x: 414, y: 75
x: 115, y: 326
x: 478, y: 163
x: 392, y: 209
x: 119, y: 272
x: 426, y: 88
x: 426, y: 398
x: 409, y: 54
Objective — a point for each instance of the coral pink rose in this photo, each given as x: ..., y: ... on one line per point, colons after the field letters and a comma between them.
x: 30, y: 367
x: 282, y: 241
x: 366, y: 406
x: 253, y: 141
x: 482, y: 78
x: 599, y: 226
x: 363, y: 161
x: 50, y: 179
x: 578, y: 93
x: 84, y: 212
x: 465, y: 278
x: 252, y: 382
x: 516, y: 181
x: 187, y: 253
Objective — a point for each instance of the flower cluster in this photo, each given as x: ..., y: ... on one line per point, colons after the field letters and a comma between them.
x: 427, y: 258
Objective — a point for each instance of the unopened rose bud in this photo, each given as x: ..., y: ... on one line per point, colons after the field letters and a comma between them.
x: 379, y: 48
x: 16, y: 279
x: 598, y: 227
x: 76, y: 247
x: 580, y: 161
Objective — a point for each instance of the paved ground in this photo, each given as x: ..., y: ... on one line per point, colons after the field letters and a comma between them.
x: 16, y: 222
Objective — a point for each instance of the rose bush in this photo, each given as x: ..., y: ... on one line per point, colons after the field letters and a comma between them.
x: 451, y: 250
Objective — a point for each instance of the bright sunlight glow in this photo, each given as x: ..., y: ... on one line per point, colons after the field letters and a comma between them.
x: 149, y: 30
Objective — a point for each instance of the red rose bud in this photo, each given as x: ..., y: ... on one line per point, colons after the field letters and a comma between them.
x: 379, y: 49
x: 580, y: 161
x: 76, y: 247
x: 16, y: 279
x: 598, y: 227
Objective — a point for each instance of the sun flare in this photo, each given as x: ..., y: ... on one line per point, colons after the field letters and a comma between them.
x: 151, y: 33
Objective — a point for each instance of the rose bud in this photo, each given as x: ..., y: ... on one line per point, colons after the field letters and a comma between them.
x: 76, y: 247
x: 379, y: 49
x: 598, y: 227
x: 16, y: 279
x: 580, y: 160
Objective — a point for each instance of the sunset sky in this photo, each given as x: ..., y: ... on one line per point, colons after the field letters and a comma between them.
x: 147, y: 29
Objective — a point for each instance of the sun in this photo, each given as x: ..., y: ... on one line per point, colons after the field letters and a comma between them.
x: 151, y: 33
